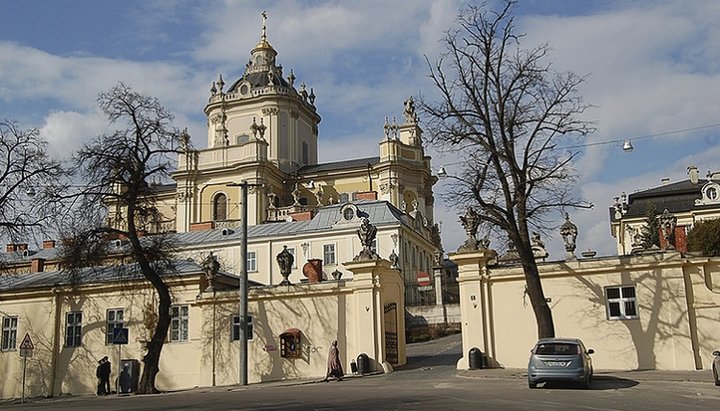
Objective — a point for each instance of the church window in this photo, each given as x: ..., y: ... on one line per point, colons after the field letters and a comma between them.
x: 305, y: 153
x: 220, y: 207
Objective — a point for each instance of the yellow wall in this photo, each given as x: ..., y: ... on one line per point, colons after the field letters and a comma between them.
x: 678, y: 312
x: 323, y: 312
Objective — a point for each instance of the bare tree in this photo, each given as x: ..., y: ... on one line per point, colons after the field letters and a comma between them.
x: 506, y: 114
x: 119, y: 169
x: 27, y: 178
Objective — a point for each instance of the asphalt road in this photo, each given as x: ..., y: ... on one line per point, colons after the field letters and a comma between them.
x: 428, y: 382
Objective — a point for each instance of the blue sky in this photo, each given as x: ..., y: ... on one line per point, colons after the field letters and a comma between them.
x: 652, y: 66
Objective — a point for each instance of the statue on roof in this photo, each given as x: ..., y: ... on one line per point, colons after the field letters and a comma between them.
x: 569, y: 233
x: 409, y: 112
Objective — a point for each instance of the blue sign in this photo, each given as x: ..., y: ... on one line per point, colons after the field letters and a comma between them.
x: 120, y: 336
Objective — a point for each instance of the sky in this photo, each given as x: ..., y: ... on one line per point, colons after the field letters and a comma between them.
x: 652, y: 67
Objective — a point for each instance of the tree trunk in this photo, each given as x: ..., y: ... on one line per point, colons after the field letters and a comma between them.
x: 151, y: 359
x: 543, y: 315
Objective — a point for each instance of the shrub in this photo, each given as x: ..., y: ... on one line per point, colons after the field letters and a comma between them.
x: 704, y: 238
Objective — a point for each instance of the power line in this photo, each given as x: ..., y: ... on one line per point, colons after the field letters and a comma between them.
x: 646, y: 136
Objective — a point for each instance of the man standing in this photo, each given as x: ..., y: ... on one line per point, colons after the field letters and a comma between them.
x: 104, y: 370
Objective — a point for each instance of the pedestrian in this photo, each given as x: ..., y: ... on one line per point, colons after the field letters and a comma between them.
x: 104, y: 371
x: 125, y: 379
x: 100, y: 383
x: 334, y: 367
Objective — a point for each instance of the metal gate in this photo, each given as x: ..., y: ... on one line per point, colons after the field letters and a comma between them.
x: 391, y: 333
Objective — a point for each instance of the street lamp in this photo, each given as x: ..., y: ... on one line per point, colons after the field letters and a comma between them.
x: 242, y: 311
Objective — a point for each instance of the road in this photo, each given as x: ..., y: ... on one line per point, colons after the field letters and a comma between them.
x: 428, y: 382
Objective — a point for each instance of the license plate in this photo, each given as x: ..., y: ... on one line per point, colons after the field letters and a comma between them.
x: 555, y: 363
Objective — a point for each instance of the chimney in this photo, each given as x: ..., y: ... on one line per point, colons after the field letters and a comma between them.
x: 692, y: 172
x: 13, y: 247
x: 366, y: 195
x: 37, y: 265
x: 48, y: 244
x: 665, y: 181
x: 10, y: 248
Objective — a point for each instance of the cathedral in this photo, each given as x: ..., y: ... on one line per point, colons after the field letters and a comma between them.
x: 263, y: 129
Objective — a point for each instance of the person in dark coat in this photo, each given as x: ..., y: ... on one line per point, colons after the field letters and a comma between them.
x: 334, y: 367
x: 103, y: 373
x: 100, y: 383
x: 125, y: 379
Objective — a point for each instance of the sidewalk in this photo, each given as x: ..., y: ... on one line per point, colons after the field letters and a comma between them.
x: 646, y: 375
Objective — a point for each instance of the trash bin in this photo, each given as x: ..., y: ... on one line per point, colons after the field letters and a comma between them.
x: 476, y: 359
x: 353, y: 367
x: 363, y: 363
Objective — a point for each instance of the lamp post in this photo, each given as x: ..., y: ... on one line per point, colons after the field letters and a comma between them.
x: 243, y: 289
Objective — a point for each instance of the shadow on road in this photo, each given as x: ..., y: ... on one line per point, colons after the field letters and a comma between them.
x: 599, y: 383
x: 422, y: 361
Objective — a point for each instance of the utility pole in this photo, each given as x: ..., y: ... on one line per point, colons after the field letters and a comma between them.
x: 243, y: 289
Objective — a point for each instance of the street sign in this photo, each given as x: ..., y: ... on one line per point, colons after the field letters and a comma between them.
x: 120, y: 336
x: 423, y: 279
x: 425, y: 288
x: 27, y: 343
x: 24, y: 353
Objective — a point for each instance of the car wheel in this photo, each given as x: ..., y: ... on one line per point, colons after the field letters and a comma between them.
x: 532, y: 384
x: 585, y: 384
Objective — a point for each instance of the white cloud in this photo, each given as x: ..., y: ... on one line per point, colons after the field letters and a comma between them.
x: 66, y: 131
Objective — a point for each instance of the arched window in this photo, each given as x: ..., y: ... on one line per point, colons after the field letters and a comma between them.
x: 220, y: 207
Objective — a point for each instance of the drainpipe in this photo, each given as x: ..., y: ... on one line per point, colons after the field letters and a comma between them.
x: 55, y: 340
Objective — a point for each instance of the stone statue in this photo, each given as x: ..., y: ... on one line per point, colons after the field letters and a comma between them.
x: 409, y: 112
x: 470, y: 222
x: 367, y: 233
x: 394, y: 259
x: 569, y: 233
x: 538, y: 246
x: 667, y: 228
x: 210, y: 267
x: 285, y: 261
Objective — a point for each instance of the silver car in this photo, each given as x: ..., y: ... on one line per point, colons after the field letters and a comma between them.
x: 716, y: 367
x: 560, y: 359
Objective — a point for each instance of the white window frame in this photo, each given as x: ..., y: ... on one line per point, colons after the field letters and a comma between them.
x: 235, y: 328
x: 110, y: 325
x: 622, y: 303
x: 180, y: 316
x: 73, y: 329
x: 9, y: 333
x: 329, y: 256
x: 251, y: 263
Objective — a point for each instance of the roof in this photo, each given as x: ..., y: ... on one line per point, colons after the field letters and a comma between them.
x: 379, y: 212
x: 91, y: 275
x: 338, y: 165
x: 675, y: 197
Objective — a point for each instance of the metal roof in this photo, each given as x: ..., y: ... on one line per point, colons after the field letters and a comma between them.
x: 91, y: 275
x: 675, y: 197
x: 337, y: 165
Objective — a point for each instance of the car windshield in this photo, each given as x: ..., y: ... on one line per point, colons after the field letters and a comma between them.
x: 556, y: 349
